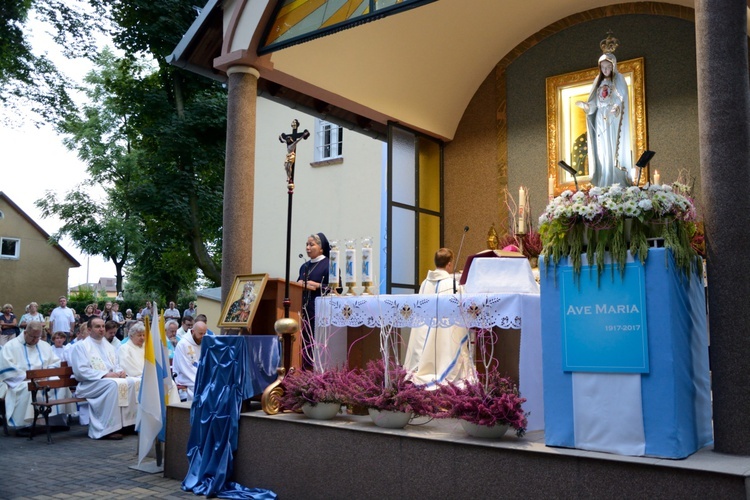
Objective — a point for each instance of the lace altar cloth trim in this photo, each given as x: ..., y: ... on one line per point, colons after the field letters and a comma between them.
x: 476, y: 310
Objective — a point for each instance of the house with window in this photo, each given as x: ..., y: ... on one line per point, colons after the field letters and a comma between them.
x: 31, y: 268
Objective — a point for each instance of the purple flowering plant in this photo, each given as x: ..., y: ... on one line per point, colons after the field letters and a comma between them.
x: 311, y: 387
x: 491, y: 400
x: 370, y: 389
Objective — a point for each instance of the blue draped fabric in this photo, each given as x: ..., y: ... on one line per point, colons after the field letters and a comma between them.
x: 231, y: 369
x: 675, y: 394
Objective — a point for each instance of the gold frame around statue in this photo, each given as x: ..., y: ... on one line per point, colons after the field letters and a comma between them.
x: 564, y: 124
x: 242, y: 316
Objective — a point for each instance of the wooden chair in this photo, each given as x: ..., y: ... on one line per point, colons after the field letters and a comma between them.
x: 45, y: 380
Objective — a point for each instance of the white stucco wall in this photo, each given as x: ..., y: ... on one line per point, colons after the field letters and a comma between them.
x: 342, y: 201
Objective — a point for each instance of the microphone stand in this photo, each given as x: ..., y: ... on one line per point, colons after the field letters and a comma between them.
x: 466, y: 230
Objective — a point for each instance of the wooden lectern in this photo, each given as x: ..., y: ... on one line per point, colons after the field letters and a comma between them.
x: 271, y: 308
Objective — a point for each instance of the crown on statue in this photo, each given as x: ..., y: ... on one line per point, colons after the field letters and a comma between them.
x: 609, y: 44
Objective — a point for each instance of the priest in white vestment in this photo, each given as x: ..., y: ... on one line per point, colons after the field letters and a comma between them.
x: 132, y: 353
x: 111, y: 394
x: 187, y: 355
x: 437, y: 355
x: 28, y: 352
x: 110, y: 334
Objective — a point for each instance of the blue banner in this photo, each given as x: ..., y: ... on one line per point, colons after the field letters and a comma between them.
x: 604, y: 320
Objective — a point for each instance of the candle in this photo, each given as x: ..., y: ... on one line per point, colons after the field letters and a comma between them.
x: 551, y: 187
x: 351, y: 265
x: 657, y: 177
x: 522, y: 210
x: 333, y: 268
x: 521, y: 224
x: 366, y: 265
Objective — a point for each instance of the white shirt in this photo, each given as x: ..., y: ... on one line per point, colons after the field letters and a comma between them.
x: 172, y: 314
x: 61, y: 318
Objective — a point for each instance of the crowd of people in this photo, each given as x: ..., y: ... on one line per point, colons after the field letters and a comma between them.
x: 106, y: 352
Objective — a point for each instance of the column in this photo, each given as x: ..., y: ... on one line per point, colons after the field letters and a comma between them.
x: 724, y: 119
x: 239, y: 176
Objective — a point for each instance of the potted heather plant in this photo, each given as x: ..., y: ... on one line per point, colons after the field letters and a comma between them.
x: 391, y: 399
x: 487, y: 407
x: 318, y: 395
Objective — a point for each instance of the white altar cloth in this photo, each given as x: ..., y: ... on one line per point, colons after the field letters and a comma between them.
x: 474, y: 310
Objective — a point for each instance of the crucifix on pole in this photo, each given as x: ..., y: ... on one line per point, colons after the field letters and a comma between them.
x: 287, y: 327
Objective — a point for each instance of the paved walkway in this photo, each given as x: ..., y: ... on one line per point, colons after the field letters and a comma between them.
x: 75, y: 466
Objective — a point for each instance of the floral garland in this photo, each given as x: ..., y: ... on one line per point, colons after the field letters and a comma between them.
x: 600, y: 219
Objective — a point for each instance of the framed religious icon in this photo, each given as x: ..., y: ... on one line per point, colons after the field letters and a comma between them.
x: 567, y: 116
x: 242, y: 301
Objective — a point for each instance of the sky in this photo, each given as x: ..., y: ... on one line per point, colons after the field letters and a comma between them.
x: 34, y: 160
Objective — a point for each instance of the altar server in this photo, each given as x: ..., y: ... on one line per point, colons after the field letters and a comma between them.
x: 437, y: 355
x: 111, y: 394
x: 28, y: 352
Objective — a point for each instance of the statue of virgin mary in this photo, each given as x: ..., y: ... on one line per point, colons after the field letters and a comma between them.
x: 608, y: 125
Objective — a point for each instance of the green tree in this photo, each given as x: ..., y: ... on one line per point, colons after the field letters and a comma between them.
x: 96, y: 228
x: 153, y: 136
x: 29, y: 81
x: 182, y: 125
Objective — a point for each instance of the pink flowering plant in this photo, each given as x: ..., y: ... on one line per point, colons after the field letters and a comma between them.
x: 492, y: 400
x: 369, y: 388
x: 597, y: 217
x: 311, y: 387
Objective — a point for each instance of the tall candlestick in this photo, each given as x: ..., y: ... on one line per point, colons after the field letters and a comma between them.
x: 551, y: 187
x: 657, y: 177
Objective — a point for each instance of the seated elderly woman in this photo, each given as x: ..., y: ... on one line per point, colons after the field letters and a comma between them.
x: 131, y: 353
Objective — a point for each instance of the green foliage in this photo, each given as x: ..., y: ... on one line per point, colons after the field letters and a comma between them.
x: 30, y: 82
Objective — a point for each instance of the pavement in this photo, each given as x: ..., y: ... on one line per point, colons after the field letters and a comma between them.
x: 75, y: 466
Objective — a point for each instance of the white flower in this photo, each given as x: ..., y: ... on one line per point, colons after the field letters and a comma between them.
x: 579, y: 195
x: 566, y: 194
x: 595, y: 191
x: 633, y: 190
x: 615, y: 189
x: 645, y: 205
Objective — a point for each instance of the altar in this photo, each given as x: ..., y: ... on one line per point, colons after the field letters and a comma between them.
x: 336, y: 314
x: 661, y: 408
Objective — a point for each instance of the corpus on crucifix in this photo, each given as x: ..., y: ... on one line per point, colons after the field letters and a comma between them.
x: 291, y: 141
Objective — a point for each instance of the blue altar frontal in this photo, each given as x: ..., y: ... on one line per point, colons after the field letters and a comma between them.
x: 663, y: 409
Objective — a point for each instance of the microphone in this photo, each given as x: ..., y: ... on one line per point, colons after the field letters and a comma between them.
x: 455, y: 263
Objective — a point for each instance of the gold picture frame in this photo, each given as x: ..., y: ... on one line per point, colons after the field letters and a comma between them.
x: 566, y: 123
x: 242, y: 303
